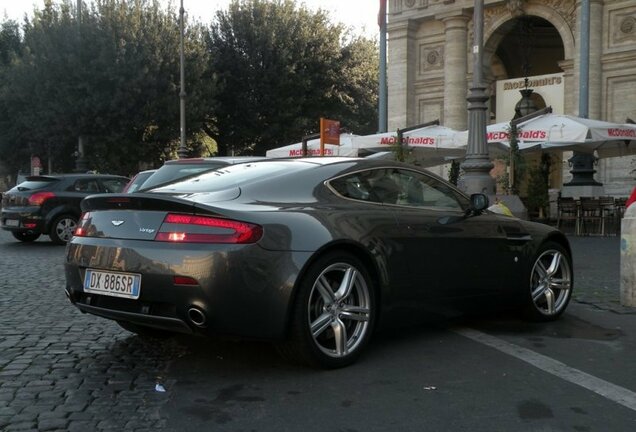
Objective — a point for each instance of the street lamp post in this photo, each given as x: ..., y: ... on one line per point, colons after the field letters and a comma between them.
x: 183, y: 152
x: 477, y: 165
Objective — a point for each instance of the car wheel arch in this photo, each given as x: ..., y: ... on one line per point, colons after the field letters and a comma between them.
x: 58, y: 211
x: 380, y: 287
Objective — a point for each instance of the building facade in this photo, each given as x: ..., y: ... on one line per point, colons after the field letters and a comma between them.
x: 430, y: 66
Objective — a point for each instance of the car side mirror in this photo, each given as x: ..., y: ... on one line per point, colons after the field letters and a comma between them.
x: 478, y: 203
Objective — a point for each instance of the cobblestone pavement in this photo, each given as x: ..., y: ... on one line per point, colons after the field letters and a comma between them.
x: 62, y: 370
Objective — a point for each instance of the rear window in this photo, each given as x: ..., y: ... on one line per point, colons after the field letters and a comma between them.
x: 36, y: 184
x: 171, y: 172
x: 233, y: 176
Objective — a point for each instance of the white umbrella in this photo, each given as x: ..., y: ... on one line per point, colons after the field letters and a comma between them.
x: 568, y: 133
x: 428, y: 137
x: 429, y: 145
x: 313, y: 148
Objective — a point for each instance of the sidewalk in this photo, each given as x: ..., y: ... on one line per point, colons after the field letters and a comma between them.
x: 597, y: 273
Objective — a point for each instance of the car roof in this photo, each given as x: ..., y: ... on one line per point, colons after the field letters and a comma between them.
x: 228, y: 160
x: 71, y: 175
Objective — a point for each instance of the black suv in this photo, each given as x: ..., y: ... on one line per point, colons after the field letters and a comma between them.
x: 50, y: 204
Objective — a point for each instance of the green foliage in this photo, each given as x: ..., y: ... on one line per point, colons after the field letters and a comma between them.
x: 538, y: 198
x: 282, y: 67
x: 454, y: 172
x: 114, y: 79
x: 260, y: 76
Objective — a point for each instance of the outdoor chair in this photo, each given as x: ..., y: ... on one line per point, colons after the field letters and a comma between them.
x: 608, y: 212
x: 567, y: 211
x: 591, y: 216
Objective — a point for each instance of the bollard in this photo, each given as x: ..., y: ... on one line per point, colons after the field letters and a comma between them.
x: 628, y: 257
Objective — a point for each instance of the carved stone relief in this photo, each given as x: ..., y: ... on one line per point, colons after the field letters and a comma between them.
x: 622, y: 26
x: 431, y: 58
x: 565, y: 8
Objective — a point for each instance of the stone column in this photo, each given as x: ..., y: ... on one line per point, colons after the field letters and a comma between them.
x: 401, y: 74
x: 596, y: 50
x: 455, y: 71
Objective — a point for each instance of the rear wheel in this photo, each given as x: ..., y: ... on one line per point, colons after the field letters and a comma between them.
x: 62, y: 229
x: 25, y: 237
x: 551, y: 283
x: 145, y: 332
x: 334, y: 313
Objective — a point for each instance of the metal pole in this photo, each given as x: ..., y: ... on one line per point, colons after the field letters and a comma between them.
x: 583, y: 163
x: 477, y: 165
x: 183, y: 151
x: 80, y: 161
x: 382, y: 82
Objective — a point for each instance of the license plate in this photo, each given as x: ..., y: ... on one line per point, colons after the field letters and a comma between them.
x: 115, y: 284
x: 11, y: 222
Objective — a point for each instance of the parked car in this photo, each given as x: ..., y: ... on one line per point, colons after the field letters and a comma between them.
x: 50, y: 204
x: 138, y: 180
x: 310, y: 253
x: 184, y: 168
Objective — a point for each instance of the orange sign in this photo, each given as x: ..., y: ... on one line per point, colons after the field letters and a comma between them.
x: 329, y: 133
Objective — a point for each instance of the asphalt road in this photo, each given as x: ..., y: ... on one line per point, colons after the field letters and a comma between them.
x: 62, y: 370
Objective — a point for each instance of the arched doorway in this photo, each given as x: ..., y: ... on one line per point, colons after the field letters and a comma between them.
x: 523, y: 47
x: 525, y: 52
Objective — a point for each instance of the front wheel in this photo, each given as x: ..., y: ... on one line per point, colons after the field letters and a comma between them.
x: 25, y: 236
x: 334, y: 313
x: 551, y: 283
x: 62, y: 229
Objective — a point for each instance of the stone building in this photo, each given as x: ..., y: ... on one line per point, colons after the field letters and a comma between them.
x: 430, y: 66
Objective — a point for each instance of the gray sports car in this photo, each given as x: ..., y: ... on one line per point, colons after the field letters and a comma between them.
x: 310, y: 253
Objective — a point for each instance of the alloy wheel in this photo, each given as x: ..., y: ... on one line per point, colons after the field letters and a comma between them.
x: 64, y: 229
x: 339, y: 310
x: 551, y: 282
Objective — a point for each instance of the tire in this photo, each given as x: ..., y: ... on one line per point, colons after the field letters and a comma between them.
x: 145, y: 332
x: 25, y: 237
x: 550, y: 284
x: 62, y: 229
x: 342, y: 314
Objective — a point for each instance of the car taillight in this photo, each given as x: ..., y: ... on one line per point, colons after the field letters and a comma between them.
x: 80, y: 230
x: 39, y: 197
x: 182, y: 228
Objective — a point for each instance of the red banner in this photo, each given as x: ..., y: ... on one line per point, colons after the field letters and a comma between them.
x: 382, y: 14
x: 329, y: 133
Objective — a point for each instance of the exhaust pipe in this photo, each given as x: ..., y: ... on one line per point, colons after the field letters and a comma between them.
x: 197, y: 317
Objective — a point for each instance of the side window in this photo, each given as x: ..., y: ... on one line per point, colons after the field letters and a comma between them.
x: 84, y: 185
x: 399, y: 187
x: 420, y: 190
x: 377, y: 185
x: 114, y: 185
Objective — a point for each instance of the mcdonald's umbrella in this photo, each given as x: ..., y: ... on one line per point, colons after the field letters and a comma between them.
x: 569, y: 133
x: 433, y: 137
x: 564, y: 132
x: 313, y: 148
x: 429, y: 145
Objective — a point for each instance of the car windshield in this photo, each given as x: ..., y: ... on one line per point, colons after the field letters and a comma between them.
x: 138, y: 181
x: 35, y: 184
x: 233, y: 176
x: 177, y: 171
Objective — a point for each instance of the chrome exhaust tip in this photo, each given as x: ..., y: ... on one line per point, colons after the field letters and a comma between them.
x: 197, y: 317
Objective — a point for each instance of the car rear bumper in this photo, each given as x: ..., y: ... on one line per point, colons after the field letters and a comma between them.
x: 22, y: 221
x: 163, y: 323
x: 240, y: 291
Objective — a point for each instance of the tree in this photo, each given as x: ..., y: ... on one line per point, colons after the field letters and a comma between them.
x: 280, y: 68
x: 114, y: 79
